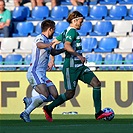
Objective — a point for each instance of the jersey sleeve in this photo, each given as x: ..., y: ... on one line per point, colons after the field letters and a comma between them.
x: 67, y: 36
x: 71, y: 35
x: 60, y: 37
x: 39, y: 39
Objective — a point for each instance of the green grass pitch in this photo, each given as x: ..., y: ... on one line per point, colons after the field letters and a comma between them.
x: 66, y: 124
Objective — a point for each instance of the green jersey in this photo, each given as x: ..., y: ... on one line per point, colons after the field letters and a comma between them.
x: 73, y: 69
x: 71, y: 35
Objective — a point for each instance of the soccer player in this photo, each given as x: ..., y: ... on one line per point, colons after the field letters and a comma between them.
x: 74, y: 68
x: 36, y: 74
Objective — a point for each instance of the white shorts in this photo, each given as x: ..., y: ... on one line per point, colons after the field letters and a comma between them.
x: 36, y: 78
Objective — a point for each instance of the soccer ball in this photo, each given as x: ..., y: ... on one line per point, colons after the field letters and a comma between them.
x: 109, y: 118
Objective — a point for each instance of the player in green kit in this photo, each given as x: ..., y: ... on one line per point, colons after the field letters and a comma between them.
x: 74, y: 68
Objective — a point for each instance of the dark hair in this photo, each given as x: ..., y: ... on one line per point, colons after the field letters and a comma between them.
x: 47, y: 24
x: 73, y: 15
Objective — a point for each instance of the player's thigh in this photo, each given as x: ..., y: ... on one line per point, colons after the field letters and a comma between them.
x: 70, y: 78
x: 35, y: 78
x: 87, y: 75
x: 51, y: 87
x: 69, y: 94
x: 42, y: 89
x: 53, y: 91
x: 95, y: 82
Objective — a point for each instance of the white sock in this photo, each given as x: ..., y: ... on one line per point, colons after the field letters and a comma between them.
x: 36, y: 102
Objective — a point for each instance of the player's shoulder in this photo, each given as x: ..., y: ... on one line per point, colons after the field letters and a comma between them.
x: 39, y: 38
x: 71, y: 31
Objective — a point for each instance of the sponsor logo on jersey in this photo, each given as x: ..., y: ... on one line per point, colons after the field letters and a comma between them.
x: 69, y: 37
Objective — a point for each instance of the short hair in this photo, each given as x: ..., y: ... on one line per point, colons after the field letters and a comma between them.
x: 73, y: 15
x: 47, y: 24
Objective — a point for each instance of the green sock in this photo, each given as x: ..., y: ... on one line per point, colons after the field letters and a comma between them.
x: 61, y: 99
x: 97, y: 98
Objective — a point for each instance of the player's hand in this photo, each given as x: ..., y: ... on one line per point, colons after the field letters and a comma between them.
x: 83, y: 59
x: 51, y: 44
x: 50, y: 66
x: 55, y: 42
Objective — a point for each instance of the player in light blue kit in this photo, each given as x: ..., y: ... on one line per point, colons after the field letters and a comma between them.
x: 36, y: 74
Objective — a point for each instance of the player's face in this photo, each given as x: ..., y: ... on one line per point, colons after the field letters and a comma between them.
x: 51, y: 32
x: 78, y: 23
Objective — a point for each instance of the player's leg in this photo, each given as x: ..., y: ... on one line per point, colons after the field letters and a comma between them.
x: 70, y: 82
x: 61, y: 99
x: 58, y: 101
x: 42, y: 91
x: 95, y: 83
x: 36, y: 101
x: 39, y: 99
x: 53, y: 93
x: 38, y: 84
x: 90, y: 78
x: 27, y: 101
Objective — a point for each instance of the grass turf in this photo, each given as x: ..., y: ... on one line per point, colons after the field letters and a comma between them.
x: 66, y: 124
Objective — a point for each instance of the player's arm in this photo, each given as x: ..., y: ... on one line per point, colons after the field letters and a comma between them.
x: 42, y: 45
x: 70, y: 37
x: 69, y: 49
x: 53, y: 52
x: 55, y: 42
x: 52, y: 58
x: 57, y: 51
x: 51, y: 63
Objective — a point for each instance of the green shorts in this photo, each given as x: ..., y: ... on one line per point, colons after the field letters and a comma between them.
x: 73, y: 74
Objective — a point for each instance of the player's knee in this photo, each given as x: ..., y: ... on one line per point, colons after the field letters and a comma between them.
x: 70, y: 94
x: 55, y: 96
x: 95, y: 82
x: 98, y: 84
x: 45, y: 95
